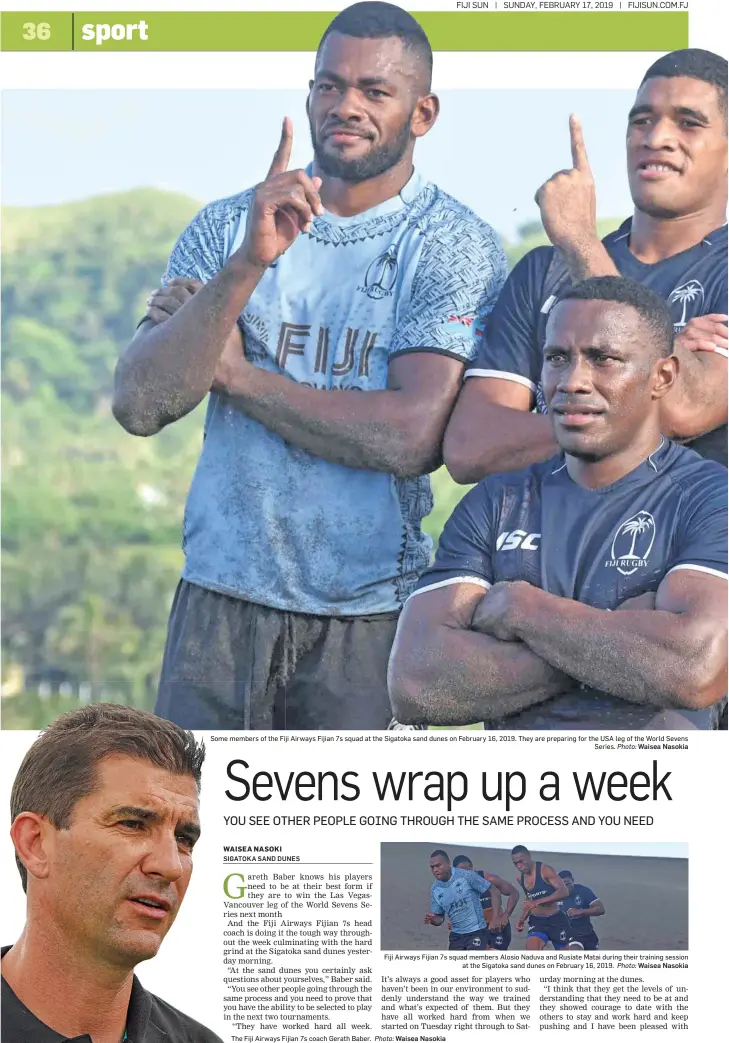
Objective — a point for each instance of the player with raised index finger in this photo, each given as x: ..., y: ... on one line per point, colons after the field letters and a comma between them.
x: 331, y: 311
x: 675, y: 243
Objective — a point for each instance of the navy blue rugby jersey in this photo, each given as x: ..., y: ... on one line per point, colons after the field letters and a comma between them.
x: 693, y: 282
x: 582, y: 897
x: 596, y: 546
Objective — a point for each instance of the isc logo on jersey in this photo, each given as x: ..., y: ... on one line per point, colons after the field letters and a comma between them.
x: 518, y: 538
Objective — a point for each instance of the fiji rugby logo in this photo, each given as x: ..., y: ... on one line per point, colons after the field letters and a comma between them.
x: 632, y: 543
x: 689, y: 294
x: 381, y: 276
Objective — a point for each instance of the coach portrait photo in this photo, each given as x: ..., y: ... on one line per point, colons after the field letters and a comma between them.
x: 104, y: 821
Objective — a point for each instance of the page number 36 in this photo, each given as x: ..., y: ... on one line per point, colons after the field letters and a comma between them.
x: 41, y: 31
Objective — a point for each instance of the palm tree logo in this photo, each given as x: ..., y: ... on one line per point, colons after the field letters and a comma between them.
x: 381, y: 275
x: 641, y: 530
x: 690, y: 291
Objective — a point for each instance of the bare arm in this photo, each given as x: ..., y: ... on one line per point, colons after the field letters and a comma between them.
x: 442, y: 672
x: 568, y: 208
x: 434, y: 919
x: 495, y: 901
x: 697, y: 402
x: 674, y: 656
x: 492, y: 430
x: 596, y: 908
x: 168, y: 368
x: 506, y: 889
x: 399, y: 430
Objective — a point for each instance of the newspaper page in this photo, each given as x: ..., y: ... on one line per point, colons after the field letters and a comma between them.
x: 431, y: 678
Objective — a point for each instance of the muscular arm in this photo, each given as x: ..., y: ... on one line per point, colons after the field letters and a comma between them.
x: 596, y: 908
x: 499, y: 884
x: 674, y: 656
x: 492, y: 430
x: 399, y: 430
x: 697, y: 402
x: 168, y: 367
x: 442, y: 672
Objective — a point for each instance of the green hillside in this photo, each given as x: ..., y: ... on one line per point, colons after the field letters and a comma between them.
x: 91, y: 517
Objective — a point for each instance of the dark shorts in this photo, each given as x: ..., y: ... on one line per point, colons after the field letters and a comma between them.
x: 499, y: 939
x: 587, y: 941
x: 554, y: 929
x: 230, y: 664
x: 474, y: 940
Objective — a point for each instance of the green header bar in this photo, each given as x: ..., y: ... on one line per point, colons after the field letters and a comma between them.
x: 302, y: 30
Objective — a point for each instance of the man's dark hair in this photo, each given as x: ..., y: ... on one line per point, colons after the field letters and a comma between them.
x: 372, y: 20
x: 520, y: 850
x: 443, y: 854
x: 651, y: 308
x: 60, y: 767
x: 698, y: 65
x: 564, y: 873
x: 460, y: 859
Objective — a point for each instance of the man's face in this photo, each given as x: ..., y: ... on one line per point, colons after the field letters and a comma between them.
x: 362, y: 106
x: 677, y: 147
x: 598, y: 376
x: 522, y: 862
x: 464, y: 865
x: 440, y: 867
x: 118, y: 874
x: 568, y: 883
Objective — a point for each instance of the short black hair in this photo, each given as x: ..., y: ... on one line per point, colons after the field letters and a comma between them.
x: 651, y: 308
x: 460, y: 859
x: 564, y: 873
x: 373, y: 20
x: 519, y: 849
x: 697, y: 64
x: 440, y: 852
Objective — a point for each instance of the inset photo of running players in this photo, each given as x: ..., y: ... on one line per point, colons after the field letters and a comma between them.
x: 583, y: 897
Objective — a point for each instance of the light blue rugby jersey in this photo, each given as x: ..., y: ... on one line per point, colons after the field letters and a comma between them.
x: 269, y: 522
x: 460, y: 900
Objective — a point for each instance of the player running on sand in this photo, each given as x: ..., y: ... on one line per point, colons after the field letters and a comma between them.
x: 499, y: 927
x: 544, y: 891
x: 456, y: 895
x: 581, y: 904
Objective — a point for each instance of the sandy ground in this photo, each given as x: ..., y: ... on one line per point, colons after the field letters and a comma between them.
x: 645, y: 899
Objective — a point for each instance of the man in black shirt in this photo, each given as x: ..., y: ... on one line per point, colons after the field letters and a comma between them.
x: 105, y: 817
x: 580, y: 906
x: 515, y: 622
x: 676, y: 243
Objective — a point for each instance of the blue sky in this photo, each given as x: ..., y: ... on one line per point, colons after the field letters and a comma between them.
x: 490, y: 148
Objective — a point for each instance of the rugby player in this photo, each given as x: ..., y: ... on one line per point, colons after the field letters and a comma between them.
x: 581, y: 904
x: 518, y: 608
x: 302, y: 531
x: 499, y: 927
x: 456, y: 895
x: 675, y: 243
x: 544, y: 891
